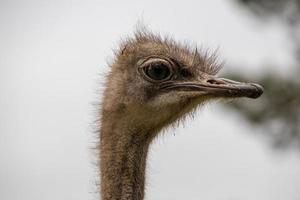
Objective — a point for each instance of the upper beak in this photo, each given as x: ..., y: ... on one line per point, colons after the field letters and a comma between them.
x: 219, y: 87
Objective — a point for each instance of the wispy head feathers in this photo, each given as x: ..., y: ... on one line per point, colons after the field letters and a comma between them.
x: 145, y: 43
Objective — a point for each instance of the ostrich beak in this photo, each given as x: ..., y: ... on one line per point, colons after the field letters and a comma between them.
x: 219, y: 87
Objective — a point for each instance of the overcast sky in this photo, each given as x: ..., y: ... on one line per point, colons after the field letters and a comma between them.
x: 52, y: 54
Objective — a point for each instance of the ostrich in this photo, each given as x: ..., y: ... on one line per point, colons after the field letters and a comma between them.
x: 153, y: 82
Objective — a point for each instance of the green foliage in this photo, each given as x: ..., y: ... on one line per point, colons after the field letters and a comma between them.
x: 268, y: 7
x: 278, y: 110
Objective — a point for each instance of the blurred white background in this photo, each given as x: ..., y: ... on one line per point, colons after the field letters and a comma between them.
x: 51, y: 56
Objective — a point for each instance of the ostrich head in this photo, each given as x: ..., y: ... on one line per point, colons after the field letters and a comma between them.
x: 156, y: 81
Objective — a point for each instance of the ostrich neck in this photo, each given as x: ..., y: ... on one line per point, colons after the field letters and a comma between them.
x: 123, y: 152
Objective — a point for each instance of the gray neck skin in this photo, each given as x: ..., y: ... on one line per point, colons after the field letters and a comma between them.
x: 123, y: 153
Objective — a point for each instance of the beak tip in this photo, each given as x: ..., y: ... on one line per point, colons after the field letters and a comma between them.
x: 257, y: 92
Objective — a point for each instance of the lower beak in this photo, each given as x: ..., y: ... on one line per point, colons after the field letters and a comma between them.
x: 219, y: 87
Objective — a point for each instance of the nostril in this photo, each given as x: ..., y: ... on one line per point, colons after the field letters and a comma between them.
x: 215, y: 81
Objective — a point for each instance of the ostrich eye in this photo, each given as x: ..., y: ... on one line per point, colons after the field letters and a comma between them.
x: 157, y: 71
